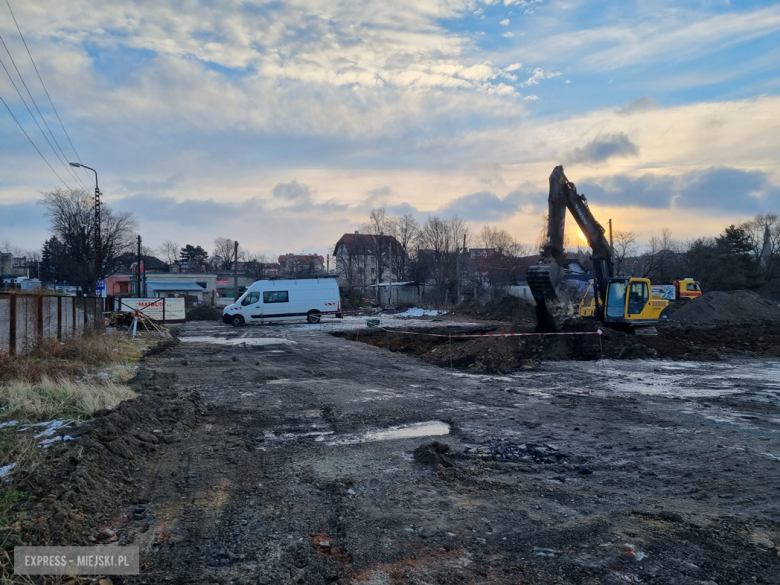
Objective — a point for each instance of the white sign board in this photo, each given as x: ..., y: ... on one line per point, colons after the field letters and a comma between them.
x: 663, y: 291
x: 153, y: 308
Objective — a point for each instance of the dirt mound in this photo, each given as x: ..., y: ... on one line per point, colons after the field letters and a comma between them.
x: 732, y: 308
x: 204, y: 313
x: 66, y: 499
x: 433, y: 454
x: 470, y: 307
x: 509, y: 308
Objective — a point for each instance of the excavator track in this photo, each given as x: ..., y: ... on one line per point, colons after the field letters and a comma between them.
x: 647, y: 330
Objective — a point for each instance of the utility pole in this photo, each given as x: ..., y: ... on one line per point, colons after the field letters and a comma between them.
x: 457, y: 274
x: 379, y: 266
x: 460, y: 288
x: 235, y: 271
x: 611, y: 247
x: 138, y: 290
x: 390, y: 287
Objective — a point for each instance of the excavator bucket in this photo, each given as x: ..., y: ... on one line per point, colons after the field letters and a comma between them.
x: 543, y: 281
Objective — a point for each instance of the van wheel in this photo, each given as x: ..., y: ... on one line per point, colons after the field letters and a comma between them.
x: 313, y: 317
x: 236, y: 320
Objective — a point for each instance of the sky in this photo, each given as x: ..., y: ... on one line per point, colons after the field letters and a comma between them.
x: 283, y: 123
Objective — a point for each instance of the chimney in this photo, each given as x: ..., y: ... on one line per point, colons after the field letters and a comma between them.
x: 357, y: 232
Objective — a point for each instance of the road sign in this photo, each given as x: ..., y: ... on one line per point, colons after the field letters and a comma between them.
x: 100, y: 288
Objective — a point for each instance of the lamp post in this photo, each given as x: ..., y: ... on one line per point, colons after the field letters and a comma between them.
x: 98, y: 239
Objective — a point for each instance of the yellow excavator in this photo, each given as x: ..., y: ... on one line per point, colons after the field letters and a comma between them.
x: 620, y: 302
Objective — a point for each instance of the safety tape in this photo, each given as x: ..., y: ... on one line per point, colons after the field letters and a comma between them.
x: 456, y: 335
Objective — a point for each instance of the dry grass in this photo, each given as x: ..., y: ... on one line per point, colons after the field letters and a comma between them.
x: 72, y: 358
x: 52, y: 398
x: 92, y: 349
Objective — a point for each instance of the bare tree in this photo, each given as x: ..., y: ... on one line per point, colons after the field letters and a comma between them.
x: 405, y: 229
x: 71, y: 212
x: 439, y: 243
x: 624, y: 246
x: 224, y: 254
x: 169, y: 251
x: 256, y: 265
x: 379, y: 224
x: 663, y: 260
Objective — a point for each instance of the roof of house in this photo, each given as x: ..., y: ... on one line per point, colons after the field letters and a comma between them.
x: 300, y: 257
x: 365, y: 243
x: 174, y: 286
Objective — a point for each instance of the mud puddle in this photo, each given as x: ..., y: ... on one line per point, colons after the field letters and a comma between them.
x: 431, y: 428
x: 252, y: 341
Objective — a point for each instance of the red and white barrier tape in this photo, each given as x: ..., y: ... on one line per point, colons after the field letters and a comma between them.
x: 457, y: 335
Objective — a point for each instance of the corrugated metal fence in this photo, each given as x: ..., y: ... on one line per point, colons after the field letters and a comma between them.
x: 26, y: 318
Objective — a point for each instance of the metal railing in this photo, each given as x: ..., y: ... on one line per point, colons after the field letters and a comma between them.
x: 27, y: 318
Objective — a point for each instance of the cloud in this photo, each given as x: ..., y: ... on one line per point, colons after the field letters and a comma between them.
x: 484, y: 206
x: 620, y: 190
x: 604, y: 147
x: 728, y: 189
x: 539, y: 74
x: 665, y: 35
x: 508, y: 35
x: 293, y: 192
x: 714, y: 190
x: 504, y: 22
x: 513, y: 67
x: 18, y: 215
x: 642, y: 104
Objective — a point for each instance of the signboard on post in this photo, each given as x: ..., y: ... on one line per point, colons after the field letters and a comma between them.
x: 162, y: 310
x: 100, y: 288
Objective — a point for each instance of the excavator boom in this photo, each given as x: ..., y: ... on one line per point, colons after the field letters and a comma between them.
x: 622, y: 302
x: 544, y: 279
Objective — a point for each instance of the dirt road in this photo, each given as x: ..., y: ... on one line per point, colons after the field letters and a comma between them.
x: 301, y: 471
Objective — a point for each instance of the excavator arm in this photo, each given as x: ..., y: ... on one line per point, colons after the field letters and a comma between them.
x: 544, y: 279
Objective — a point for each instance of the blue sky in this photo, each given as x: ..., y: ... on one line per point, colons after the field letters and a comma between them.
x: 196, y: 113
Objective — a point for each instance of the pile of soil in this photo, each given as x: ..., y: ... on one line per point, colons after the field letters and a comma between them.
x: 469, y: 307
x: 507, y: 308
x: 64, y: 499
x: 506, y: 354
x: 204, y: 313
x: 733, y: 308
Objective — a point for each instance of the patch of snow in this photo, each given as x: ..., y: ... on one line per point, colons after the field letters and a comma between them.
x: 6, y: 469
x: 59, y: 439
x: 10, y: 423
x: 49, y: 427
x: 418, y: 312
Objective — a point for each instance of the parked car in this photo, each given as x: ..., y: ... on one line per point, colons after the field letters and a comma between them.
x: 269, y: 301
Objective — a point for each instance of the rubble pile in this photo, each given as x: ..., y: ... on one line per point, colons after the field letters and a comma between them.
x: 503, y: 449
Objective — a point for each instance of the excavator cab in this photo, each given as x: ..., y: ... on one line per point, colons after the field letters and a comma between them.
x: 629, y: 301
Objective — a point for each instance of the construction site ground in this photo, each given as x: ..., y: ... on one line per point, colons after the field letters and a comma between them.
x: 300, y: 456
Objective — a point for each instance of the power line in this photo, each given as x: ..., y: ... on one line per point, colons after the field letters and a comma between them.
x: 27, y: 89
x: 31, y: 142
x: 32, y: 115
x: 46, y: 90
x: 67, y: 168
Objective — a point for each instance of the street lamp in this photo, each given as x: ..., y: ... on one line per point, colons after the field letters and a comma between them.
x: 98, y: 239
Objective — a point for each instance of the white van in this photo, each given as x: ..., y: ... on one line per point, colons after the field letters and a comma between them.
x: 270, y: 301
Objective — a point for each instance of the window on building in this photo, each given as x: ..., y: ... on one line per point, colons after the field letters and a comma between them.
x: 276, y: 296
